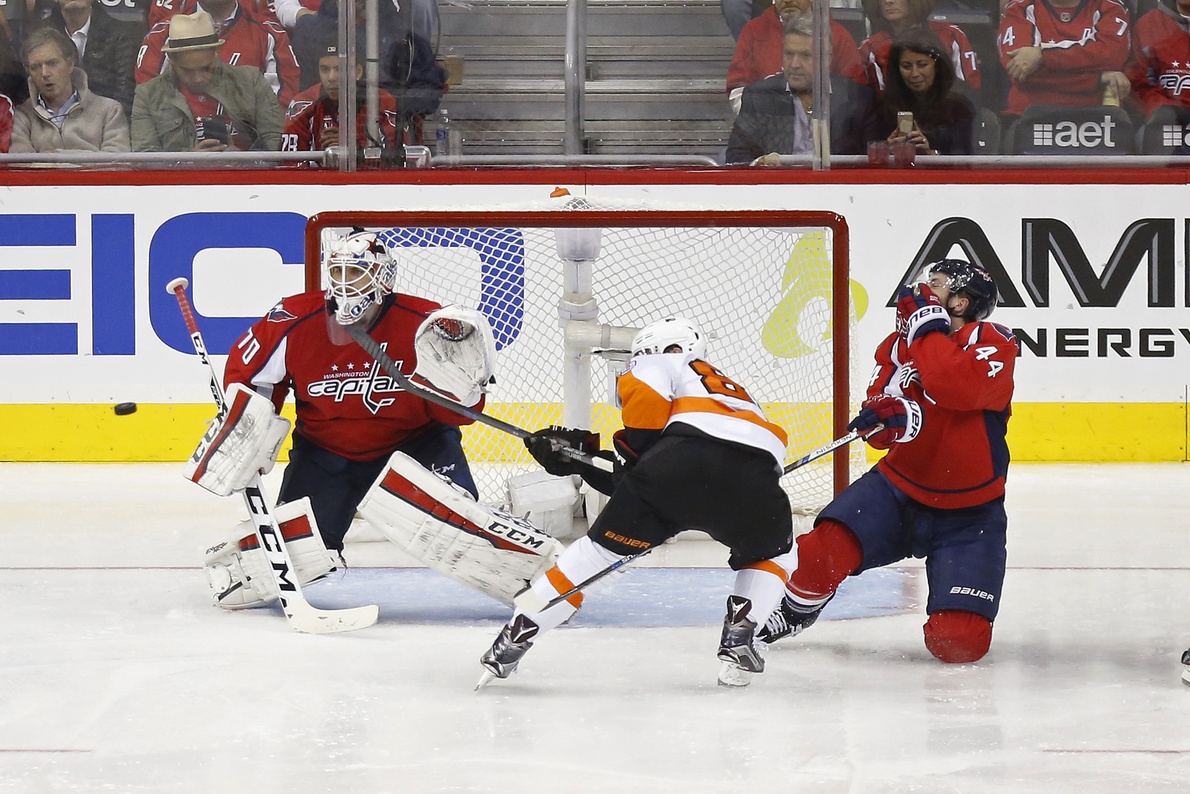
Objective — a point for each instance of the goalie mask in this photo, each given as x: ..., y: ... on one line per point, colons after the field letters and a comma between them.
x: 972, y: 281
x: 657, y: 336
x: 359, y: 273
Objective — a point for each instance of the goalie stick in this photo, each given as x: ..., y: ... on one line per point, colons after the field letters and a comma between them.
x: 373, y: 348
x: 529, y: 601
x: 302, y: 615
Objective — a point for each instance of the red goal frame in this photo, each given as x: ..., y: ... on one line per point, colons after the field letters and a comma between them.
x: 640, y: 218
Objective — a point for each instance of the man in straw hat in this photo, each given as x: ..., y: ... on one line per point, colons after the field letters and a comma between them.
x: 200, y: 103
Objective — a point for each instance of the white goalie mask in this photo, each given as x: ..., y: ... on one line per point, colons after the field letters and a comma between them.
x: 657, y: 336
x: 359, y: 273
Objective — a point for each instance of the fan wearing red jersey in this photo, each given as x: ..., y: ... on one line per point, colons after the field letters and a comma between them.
x: 251, y: 38
x: 696, y: 452
x: 312, y: 122
x: 359, y: 436
x: 1064, y: 52
x: 942, y: 389
x: 1160, y: 66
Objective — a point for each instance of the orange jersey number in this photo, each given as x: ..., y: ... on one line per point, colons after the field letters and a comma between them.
x: 716, y: 382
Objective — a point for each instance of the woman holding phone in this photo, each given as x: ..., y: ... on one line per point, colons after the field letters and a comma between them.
x: 919, y: 103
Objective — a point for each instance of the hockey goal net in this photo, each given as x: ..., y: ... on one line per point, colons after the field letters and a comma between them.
x: 566, y: 288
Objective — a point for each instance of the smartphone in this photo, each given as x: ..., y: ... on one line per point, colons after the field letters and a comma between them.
x: 904, y: 122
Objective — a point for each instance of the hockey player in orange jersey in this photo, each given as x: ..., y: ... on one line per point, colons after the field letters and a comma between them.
x: 696, y: 452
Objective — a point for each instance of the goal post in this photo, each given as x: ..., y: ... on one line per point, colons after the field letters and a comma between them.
x: 565, y: 290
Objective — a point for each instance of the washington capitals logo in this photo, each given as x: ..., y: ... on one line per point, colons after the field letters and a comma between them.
x: 279, y: 314
x: 368, y: 382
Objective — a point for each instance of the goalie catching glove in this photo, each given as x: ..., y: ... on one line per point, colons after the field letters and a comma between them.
x: 456, y: 353
x: 895, y: 420
x: 439, y: 524
x: 242, y: 441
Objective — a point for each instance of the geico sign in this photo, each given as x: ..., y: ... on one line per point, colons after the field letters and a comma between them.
x: 112, y: 307
x: 1072, y: 134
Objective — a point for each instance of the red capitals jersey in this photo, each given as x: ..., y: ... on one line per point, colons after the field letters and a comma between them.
x: 874, y: 55
x: 963, y: 384
x: 759, y: 52
x: 311, y: 112
x: 249, y: 40
x: 1160, y: 69
x: 1077, y: 44
x: 345, y: 402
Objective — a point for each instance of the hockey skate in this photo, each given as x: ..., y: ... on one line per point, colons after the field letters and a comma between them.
x: 513, y: 642
x: 789, y: 620
x: 737, y: 645
x: 1186, y: 667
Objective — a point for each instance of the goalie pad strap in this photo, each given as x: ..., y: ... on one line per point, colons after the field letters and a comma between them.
x: 444, y: 528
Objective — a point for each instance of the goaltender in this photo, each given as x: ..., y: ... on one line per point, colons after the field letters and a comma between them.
x: 361, y: 442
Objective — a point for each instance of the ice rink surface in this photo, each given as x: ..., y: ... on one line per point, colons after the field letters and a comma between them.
x: 117, y: 674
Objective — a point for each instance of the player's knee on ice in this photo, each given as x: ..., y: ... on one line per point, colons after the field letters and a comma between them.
x: 958, y: 637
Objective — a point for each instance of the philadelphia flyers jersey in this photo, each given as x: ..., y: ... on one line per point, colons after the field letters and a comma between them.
x: 660, y: 390
x: 964, y: 385
x: 345, y: 402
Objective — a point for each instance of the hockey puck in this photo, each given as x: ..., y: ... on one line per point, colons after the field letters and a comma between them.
x: 123, y: 409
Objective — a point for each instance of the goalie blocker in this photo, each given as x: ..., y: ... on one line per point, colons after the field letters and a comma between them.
x: 439, y: 524
x: 241, y: 441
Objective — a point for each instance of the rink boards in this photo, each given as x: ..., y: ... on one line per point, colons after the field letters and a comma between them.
x: 1100, y: 303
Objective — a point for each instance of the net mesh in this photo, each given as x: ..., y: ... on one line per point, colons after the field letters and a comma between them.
x: 763, y: 295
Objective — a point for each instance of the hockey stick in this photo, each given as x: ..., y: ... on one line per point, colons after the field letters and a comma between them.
x: 373, y: 348
x: 302, y: 616
x: 826, y: 449
x: 529, y: 601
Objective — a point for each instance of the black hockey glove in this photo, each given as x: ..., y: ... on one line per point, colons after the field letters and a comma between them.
x: 544, y: 446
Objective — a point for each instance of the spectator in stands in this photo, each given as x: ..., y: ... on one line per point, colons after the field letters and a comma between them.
x: 775, y: 113
x: 407, y: 67
x: 889, y: 18
x: 758, y: 53
x: 424, y: 15
x: 1064, y: 52
x: 13, y: 80
x: 61, y: 113
x: 200, y: 103
x: 1160, y: 70
x: 313, y: 120
x: 252, y: 40
x: 107, y: 53
x: 5, y: 123
x: 921, y: 80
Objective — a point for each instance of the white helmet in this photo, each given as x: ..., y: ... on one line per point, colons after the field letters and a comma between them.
x: 359, y: 273
x: 657, y: 336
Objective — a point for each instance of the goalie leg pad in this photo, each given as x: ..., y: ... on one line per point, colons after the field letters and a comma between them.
x: 242, y: 440
x: 439, y: 524
x: 238, y: 571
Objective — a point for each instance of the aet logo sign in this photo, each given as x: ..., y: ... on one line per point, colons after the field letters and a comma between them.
x: 1076, y: 135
